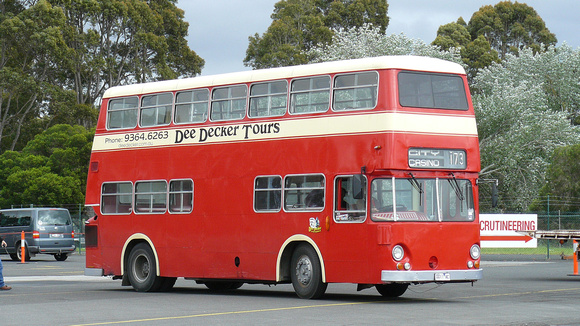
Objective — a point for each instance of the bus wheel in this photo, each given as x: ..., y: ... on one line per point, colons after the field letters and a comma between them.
x: 19, y: 253
x: 60, y: 257
x: 306, y: 273
x: 392, y: 290
x: 142, y: 269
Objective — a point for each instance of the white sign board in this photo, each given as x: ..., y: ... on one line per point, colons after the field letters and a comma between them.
x: 500, y: 230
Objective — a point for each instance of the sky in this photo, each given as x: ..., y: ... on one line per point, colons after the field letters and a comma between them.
x: 219, y: 29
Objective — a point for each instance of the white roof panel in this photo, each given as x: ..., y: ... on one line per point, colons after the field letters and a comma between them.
x: 386, y: 62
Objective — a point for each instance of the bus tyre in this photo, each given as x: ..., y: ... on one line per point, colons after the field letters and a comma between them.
x: 392, y: 290
x: 60, y: 257
x: 306, y: 273
x: 142, y: 269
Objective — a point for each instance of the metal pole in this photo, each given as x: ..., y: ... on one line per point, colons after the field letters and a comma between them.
x: 80, y: 229
x: 548, y: 228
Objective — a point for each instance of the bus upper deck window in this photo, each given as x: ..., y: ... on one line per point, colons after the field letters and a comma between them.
x: 156, y: 110
x: 122, y: 113
x: 430, y: 90
x: 310, y: 95
x: 268, y: 99
x: 355, y: 91
x: 192, y: 106
x: 228, y: 103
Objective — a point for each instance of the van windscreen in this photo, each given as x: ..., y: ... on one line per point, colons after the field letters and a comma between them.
x: 53, y: 217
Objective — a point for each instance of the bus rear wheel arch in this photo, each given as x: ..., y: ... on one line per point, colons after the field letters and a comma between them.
x: 142, y: 270
x: 306, y: 273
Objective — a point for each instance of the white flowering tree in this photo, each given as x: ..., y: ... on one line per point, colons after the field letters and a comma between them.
x: 368, y: 41
x: 524, y: 106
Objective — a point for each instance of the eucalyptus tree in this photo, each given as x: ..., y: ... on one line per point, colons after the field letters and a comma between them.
x: 493, y: 32
x: 299, y: 25
x: 57, y: 57
x: 32, y: 49
x: 510, y: 27
x: 476, y: 54
x: 117, y: 42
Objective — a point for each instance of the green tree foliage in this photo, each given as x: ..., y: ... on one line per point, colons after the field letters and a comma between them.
x: 562, y: 181
x: 50, y: 170
x: 57, y: 57
x: 114, y: 42
x: 510, y: 27
x: 452, y: 35
x: 477, y: 55
x: 299, y: 25
x: 31, y: 49
x: 493, y: 32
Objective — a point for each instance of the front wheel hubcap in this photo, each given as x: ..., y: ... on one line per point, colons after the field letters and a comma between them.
x: 304, y: 270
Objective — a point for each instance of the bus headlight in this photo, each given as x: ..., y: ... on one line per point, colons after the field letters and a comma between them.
x: 398, y: 253
x: 475, y: 251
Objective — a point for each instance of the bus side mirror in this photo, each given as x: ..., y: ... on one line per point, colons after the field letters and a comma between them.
x: 358, y: 186
x: 494, y: 196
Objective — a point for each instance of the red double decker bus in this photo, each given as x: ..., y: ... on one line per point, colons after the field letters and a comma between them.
x: 360, y: 171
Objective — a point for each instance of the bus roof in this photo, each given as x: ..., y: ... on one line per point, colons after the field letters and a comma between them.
x: 416, y: 63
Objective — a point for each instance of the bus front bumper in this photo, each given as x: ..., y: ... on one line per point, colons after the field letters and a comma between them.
x: 439, y: 276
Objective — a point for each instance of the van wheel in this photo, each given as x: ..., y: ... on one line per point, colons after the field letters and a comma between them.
x: 14, y: 257
x: 19, y: 253
x: 142, y: 269
x: 306, y: 273
x: 60, y: 257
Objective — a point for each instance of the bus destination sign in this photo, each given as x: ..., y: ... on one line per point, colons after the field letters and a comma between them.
x: 435, y: 158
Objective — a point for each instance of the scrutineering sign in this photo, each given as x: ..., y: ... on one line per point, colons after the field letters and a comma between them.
x: 501, y: 230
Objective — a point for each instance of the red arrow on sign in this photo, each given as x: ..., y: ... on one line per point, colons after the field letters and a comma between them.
x: 506, y: 238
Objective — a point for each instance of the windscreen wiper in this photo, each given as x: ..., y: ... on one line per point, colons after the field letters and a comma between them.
x: 413, y: 181
x: 455, y: 185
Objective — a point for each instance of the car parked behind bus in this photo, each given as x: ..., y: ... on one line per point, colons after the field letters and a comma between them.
x: 46, y: 230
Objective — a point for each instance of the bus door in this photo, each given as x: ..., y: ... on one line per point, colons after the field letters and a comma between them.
x: 348, y: 232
